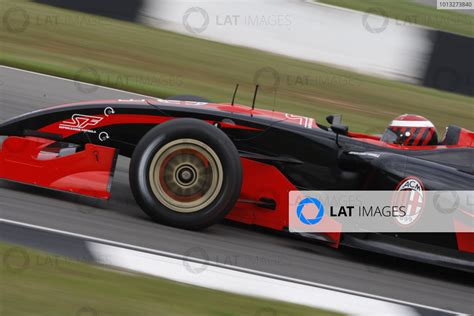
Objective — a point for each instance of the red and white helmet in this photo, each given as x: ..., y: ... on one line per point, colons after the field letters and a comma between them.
x: 411, y: 130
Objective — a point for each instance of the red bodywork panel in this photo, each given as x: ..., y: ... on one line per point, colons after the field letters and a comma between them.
x: 86, y: 172
x: 466, y: 138
x: 266, y: 181
x: 262, y: 181
x: 465, y: 241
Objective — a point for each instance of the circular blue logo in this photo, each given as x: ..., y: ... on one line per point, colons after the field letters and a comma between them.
x: 310, y: 221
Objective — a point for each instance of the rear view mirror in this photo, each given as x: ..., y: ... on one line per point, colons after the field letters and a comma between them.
x: 334, y: 119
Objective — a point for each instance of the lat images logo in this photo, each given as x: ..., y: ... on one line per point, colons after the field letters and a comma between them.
x: 306, y: 202
x: 81, y: 122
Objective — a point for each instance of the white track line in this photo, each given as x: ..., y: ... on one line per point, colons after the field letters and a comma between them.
x: 243, y: 283
x: 147, y: 254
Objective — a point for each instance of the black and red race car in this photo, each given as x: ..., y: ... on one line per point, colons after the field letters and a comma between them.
x: 194, y: 162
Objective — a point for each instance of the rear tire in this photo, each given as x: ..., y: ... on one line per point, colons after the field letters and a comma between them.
x: 186, y: 173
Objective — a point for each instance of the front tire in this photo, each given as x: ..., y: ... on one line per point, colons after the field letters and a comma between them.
x: 186, y: 173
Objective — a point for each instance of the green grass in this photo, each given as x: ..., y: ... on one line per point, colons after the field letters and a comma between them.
x: 159, y: 63
x: 37, y: 283
x: 413, y: 13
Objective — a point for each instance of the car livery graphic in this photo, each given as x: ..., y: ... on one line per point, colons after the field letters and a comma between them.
x: 81, y: 123
x: 415, y: 201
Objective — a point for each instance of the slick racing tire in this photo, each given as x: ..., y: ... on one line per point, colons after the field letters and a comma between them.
x: 193, y: 98
x: 186, y: 173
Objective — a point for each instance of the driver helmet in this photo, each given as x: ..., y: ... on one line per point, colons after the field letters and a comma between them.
x: 410, y: 130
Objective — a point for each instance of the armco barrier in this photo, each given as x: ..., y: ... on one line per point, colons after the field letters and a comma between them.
x: 451, y: 65
x: 118, y: 9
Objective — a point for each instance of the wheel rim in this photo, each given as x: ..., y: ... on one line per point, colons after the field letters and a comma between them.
x: 186, y: 175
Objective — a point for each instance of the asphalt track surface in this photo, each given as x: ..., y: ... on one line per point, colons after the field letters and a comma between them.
x: 121, y: 220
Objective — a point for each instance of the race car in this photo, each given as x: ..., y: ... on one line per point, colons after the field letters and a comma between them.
x: 194, y: 162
